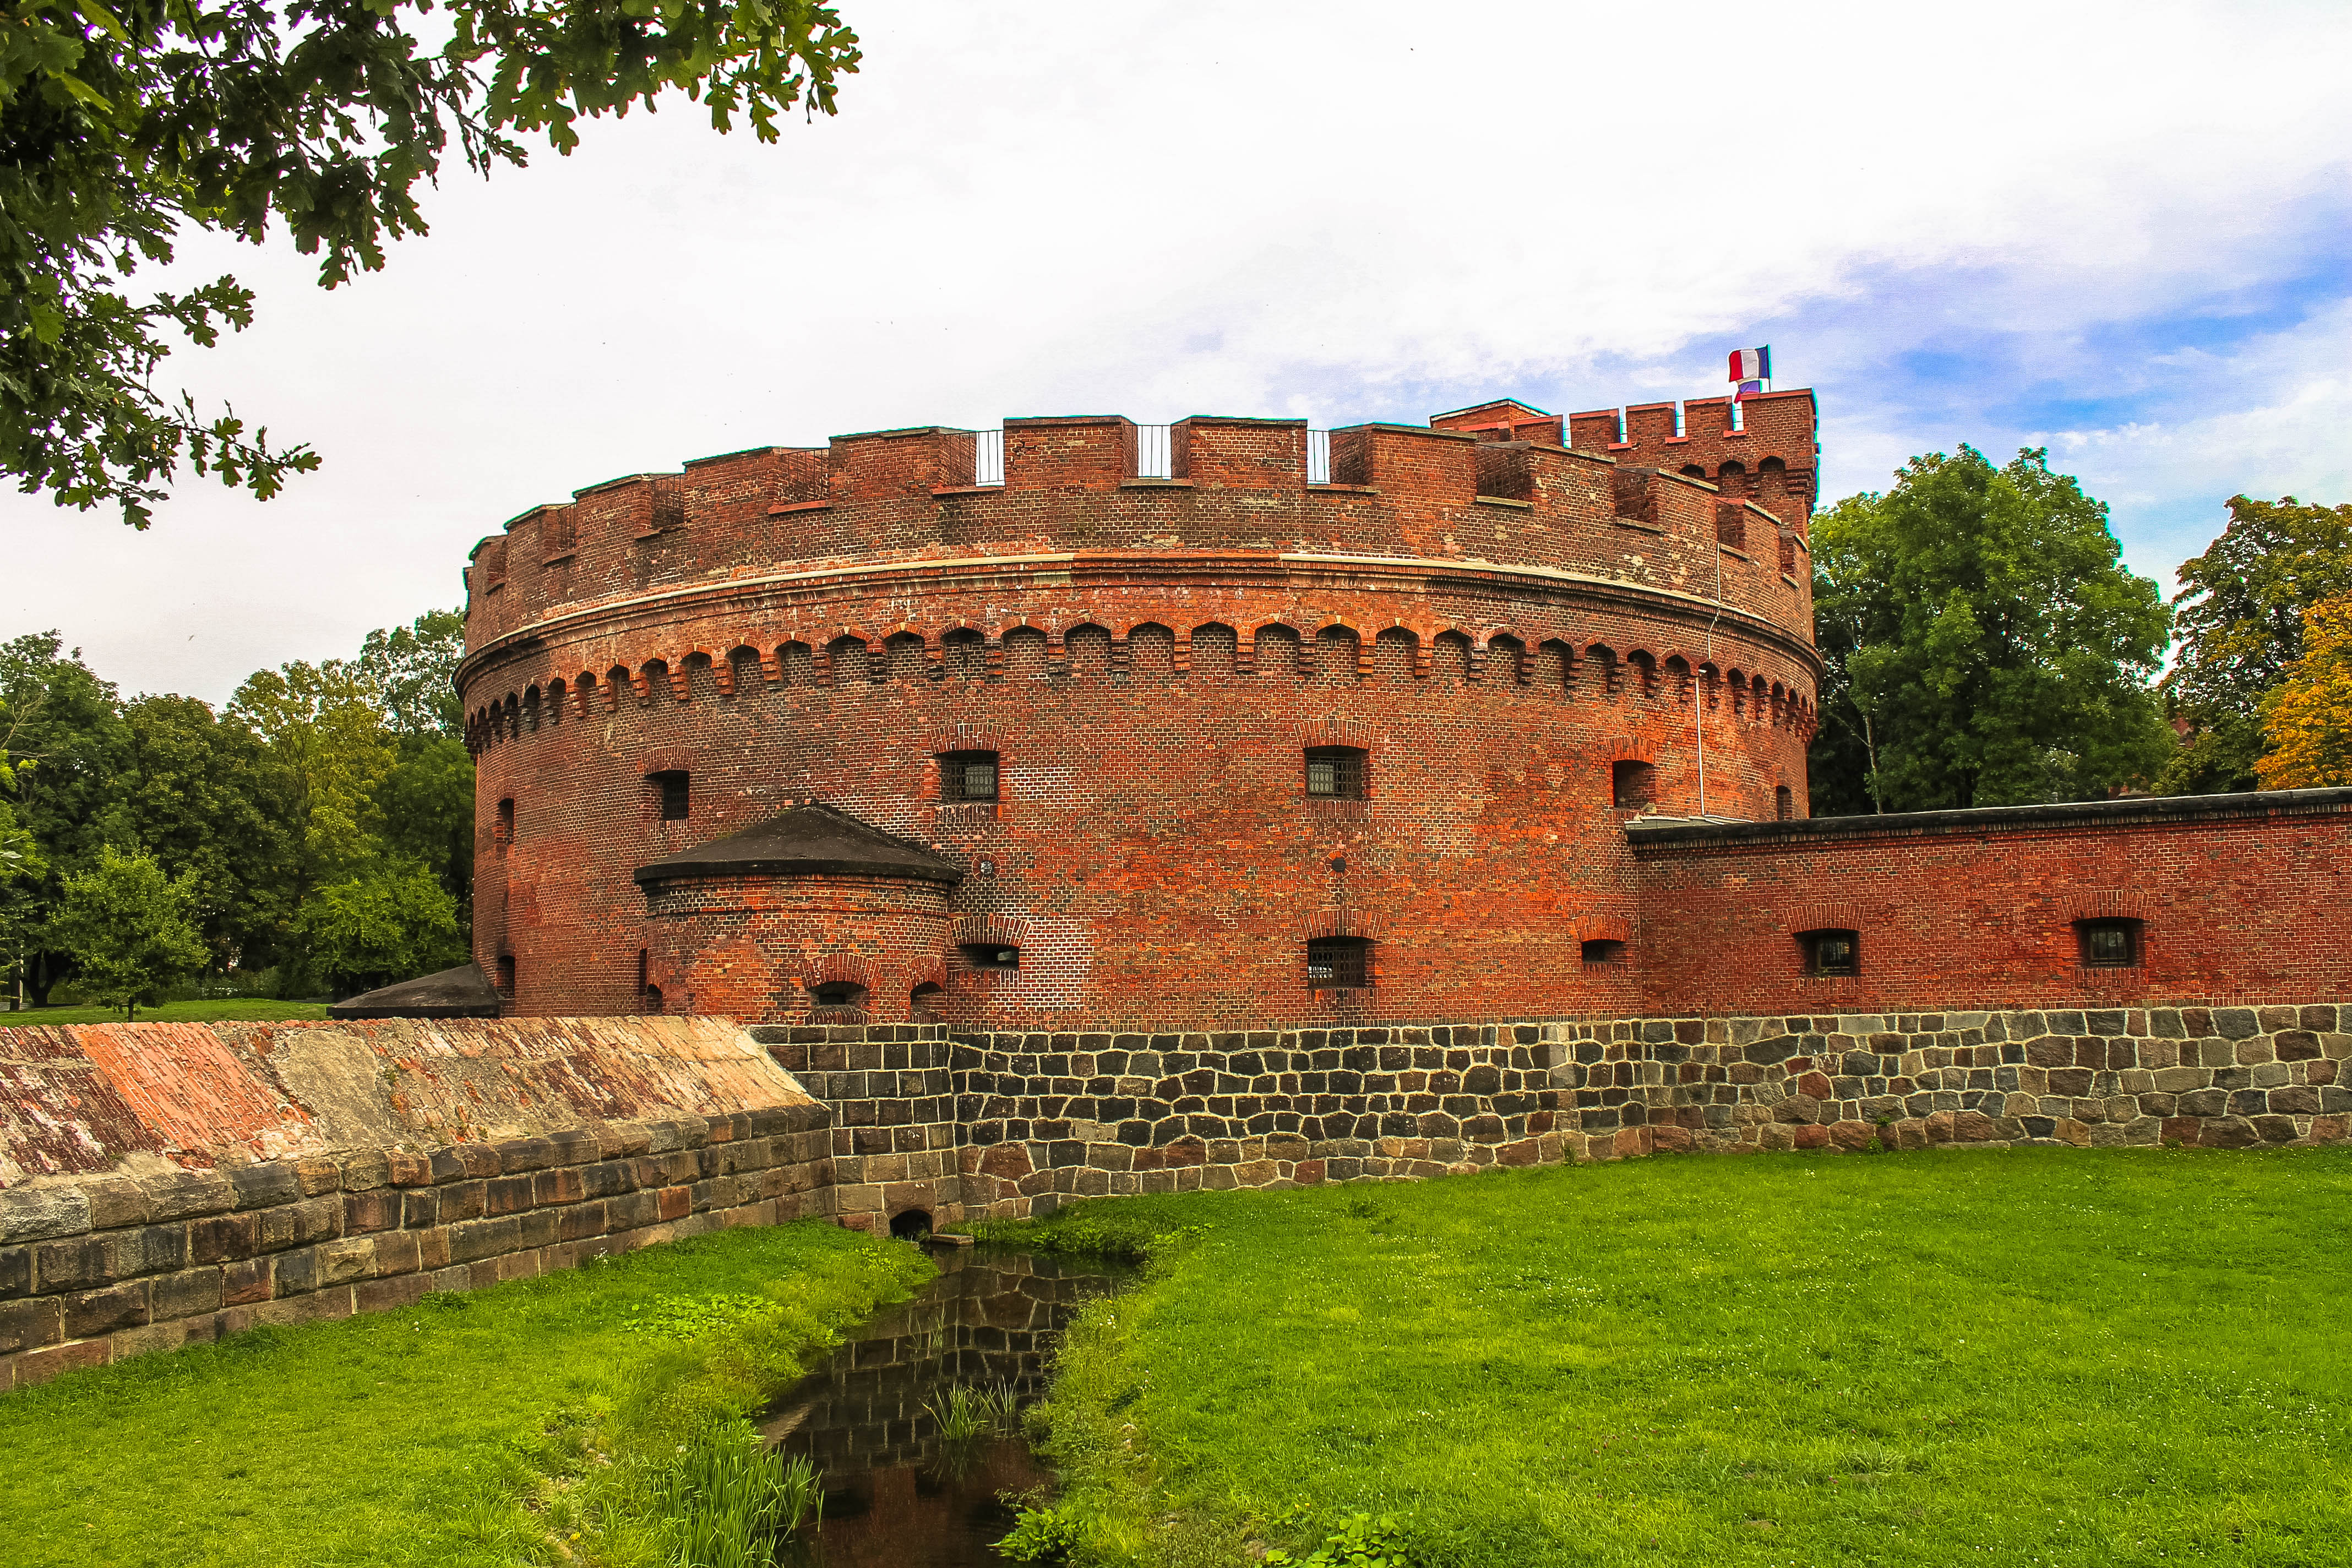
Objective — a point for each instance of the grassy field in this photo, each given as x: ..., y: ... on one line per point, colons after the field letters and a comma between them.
x: 468, y: 1430
x: 2036, y: 1356
x: 237, y: 1009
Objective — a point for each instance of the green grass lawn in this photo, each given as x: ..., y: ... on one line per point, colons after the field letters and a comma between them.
x: 455, y: 1432
x: 235, y: 1009
x: 2035, y: 1356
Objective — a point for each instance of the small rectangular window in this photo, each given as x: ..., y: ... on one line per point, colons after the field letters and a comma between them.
x: 968, y: 776
x: 506, y: 975
x: 1602, y: 950
x: 502, y: 833
x: 992, y: 955
x: 1784, y: 804
x: 2108, y: 944
x: 1338, y: 964
x: 1632, y: 784
x: 1831, y: 951
x: 1336, y: 773
x: 676, y: 790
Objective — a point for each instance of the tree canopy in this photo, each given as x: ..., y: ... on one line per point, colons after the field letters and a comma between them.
x: 2307, y: 716
x: 2242, y: 611
x: 320, y: 824
x: 1984, y: 643
x: 124, y: 126
x: 129, y: 926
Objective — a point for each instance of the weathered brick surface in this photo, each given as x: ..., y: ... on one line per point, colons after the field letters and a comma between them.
x: 1497, y: 622
x: 1978, y: 908
x: 107, y: 1293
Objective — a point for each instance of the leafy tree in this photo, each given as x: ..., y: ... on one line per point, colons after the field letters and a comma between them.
x: 425, y: 807
x: 425, y: 803
x: 392, y: 923
x: 2308, y: 714
x: 65, y: 734
x: 20, y: 863
x: 131, y: 930
x: 1980, y: 621
x: 325, y: 751
x: 2241, y: 613
x: 414, y: 670
x: 126, y: 126
x: 193, y: 793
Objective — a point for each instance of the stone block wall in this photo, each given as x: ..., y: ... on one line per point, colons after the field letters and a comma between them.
x: 115, y: 1266
x: 2224, y: 1078
x: 894, y: 1132
x: 1050, y: 1117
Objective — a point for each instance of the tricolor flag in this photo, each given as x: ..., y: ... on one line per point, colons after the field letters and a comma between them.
x: 1751, y: 365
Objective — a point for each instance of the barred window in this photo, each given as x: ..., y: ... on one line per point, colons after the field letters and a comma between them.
x: 1338, y: 963
x: 1336, y: 773
x: 2108, y: 944
x: 1831, y: 952
x: 968, y: 775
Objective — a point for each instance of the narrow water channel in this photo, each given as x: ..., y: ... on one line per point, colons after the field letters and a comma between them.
x: 899, y: 1492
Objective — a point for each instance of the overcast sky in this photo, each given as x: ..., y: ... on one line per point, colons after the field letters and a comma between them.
x: 2121, y: 231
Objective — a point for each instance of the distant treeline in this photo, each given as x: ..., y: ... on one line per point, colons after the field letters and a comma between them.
x: 324, y: 817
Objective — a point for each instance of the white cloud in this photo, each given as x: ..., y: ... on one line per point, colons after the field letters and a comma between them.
x: 1162, y: 210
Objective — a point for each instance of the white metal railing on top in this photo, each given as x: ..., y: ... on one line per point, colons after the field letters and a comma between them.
x: 1155, y: 455
x: 1155, y: 452
x: 988, y: 457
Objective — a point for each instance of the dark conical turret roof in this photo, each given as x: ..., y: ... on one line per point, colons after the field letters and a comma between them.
x: 460, y: 993
x: 807, y: 840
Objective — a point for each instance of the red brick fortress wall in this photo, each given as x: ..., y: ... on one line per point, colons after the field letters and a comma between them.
x: 2233, y: 898
x: 1496, y: 624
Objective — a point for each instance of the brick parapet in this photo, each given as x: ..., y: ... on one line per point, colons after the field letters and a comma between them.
x: 905, y: 497
x: 98, y: 1268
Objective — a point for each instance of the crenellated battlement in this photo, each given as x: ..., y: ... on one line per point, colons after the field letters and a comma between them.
x: 1770, y: 458
x: 1492, y: 486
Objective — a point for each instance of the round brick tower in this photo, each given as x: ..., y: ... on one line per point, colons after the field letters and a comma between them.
x: 1125, y: 726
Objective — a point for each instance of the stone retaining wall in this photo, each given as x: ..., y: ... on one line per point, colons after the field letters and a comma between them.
x: 115, y: 1266
x: 894, y: 1131
x: 1049, y: 1117
x: 162, y: 1183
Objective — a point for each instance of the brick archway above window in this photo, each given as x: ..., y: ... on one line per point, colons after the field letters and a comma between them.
x: 665, y: 760
x: 1601, y: 928
x: 839, y: 969
x: 1826, y: 914
x: 1627, y: 749
x: 2108, y: 905
x: 967, y: 738
x: 1352, y: 922
x: 1337, y: 732
x: 990, y: 931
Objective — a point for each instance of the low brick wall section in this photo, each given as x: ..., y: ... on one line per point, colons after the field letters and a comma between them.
x: 114, y: 1266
